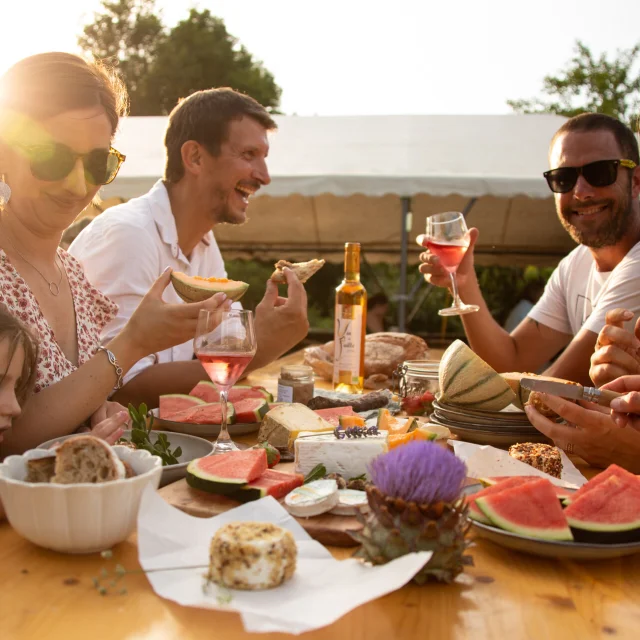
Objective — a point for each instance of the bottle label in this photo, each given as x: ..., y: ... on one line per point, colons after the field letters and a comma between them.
x: 348, y: 339
x: 285, y: 394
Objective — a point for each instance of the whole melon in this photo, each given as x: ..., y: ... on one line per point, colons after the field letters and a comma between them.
x: 467, y: 380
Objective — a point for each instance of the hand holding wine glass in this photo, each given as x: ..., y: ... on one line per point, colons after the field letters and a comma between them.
x: 225, y: 344
x: 448, y: 239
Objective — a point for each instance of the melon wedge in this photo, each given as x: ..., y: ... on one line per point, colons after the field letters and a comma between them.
x: 507, y: 483
x: 467, y: 380
x: 531, y: 509
x: 225, y: 473
x: 197, y: 289
x: 174, y: 402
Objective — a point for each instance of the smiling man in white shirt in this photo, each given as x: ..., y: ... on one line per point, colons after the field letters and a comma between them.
x: 595, y: 179
x: 217, y: 146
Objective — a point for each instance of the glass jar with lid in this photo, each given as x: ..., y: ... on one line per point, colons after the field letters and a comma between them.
x: 416, y: 381
x: 295, y: 384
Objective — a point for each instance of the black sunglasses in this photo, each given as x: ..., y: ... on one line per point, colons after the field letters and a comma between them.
x: 598, y: 174
x: 55, y: 161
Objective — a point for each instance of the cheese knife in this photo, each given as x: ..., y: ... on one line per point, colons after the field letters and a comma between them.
x: 571, y: 391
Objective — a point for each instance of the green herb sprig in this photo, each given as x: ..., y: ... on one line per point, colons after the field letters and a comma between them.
x: 141, y: 427
x: 317, y: 473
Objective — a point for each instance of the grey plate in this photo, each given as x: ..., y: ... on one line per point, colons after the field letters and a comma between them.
x: 499, y: 438
x: 554, y: 549
x: 204, y: 430
x: 192, y: 448
x: 484, y: 426
x: 512, y: 414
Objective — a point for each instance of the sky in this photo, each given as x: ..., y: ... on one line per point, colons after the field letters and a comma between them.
x: 368, y: 57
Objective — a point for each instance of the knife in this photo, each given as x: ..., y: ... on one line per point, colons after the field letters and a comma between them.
x: 571, y: 391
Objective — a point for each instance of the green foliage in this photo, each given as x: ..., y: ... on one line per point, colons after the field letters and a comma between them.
x: 160, y: 66
x: 592, y: 84
x: 502, y: 287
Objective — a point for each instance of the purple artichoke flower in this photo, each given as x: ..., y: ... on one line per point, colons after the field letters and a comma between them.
x: 420, y: 472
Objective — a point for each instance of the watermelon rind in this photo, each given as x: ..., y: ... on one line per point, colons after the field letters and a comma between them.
x: 265, y: 394
x: 507, y: 483
x: 530, y: 497
x: 608, y: 513
x: 250, y: 410
x: 270, y: 483
x: 232, y: 471
x: 467, y: 380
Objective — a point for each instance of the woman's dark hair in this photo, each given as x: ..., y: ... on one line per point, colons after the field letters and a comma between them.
x: 48, y: 84
x: 205, y: 117
x: 17, y: 334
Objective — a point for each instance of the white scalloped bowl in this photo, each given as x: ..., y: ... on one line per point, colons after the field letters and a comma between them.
x: 76, y: 518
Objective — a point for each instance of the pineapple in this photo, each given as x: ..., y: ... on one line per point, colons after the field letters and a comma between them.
x: 416, y: 504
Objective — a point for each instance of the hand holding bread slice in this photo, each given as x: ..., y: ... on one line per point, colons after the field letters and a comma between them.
x: 303, y: 270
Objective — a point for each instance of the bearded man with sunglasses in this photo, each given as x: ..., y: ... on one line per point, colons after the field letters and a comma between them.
x: 595, y: 179
x: 217, y: 146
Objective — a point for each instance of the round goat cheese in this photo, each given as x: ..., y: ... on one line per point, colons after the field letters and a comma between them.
x: 350, y: 501
x: 312, y: 499
x: 252, y: 556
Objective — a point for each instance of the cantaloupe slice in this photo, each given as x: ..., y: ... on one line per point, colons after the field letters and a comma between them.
x: 197, y: 289
x: 467, y: 380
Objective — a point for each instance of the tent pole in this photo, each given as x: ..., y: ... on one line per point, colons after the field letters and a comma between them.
x: 404, y: 260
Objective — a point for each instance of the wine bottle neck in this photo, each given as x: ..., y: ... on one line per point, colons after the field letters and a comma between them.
x: 352, y: 263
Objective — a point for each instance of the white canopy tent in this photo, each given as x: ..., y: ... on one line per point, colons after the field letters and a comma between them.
x: 374, y: 179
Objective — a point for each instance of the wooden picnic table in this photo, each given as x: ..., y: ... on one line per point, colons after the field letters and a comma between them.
x: 504, y: 595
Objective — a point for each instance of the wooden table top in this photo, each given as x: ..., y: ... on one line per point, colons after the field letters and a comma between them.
x: 504, y: 595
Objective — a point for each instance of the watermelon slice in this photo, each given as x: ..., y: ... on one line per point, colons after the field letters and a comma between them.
x: 503, y: 485
x: 225, y: 473
x: 608, y: 512
x: 562, y: 493
x: 250, y: 410
x: 611, y: 470
x: 207, y: 413
x: 332, y: 416
x: 531, y: 509
x: 208, y: 392
x: 271, y: 483
x: 175, y: 402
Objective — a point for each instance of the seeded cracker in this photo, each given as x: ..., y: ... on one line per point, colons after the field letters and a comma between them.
x: 543, y: 457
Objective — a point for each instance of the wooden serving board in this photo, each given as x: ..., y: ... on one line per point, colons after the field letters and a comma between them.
x: 328, y: 529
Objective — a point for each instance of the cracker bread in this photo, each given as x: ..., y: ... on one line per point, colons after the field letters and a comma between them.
x: 303, y: 270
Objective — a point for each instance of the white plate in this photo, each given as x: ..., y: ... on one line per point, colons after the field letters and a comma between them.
x: 204, y: 430
x: 191, y: 446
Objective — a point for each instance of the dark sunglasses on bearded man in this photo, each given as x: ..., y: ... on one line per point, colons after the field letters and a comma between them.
x: 55, y: 161
x: 601, y: 173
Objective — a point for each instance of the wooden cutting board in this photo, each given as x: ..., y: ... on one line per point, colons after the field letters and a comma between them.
x: 328, y: 529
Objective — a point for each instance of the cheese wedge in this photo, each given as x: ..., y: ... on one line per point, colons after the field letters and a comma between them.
x: 349, y: 457
x: 281, y: 426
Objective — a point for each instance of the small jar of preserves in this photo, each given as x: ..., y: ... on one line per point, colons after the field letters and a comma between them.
x: 295, y: 384
x: 416, y: 381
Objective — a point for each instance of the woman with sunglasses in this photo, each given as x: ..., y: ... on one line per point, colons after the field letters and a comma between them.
x: 58, y: 116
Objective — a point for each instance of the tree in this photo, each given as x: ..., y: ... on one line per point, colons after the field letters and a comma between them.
x: 159, y: 67
x: 590, y: 84
x: 127, y: 34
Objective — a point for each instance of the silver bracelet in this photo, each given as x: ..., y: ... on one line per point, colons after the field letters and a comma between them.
x: 115, y: 365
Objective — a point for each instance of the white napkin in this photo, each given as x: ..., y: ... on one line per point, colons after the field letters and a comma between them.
x: 321, y: 591
x: 483, y: 461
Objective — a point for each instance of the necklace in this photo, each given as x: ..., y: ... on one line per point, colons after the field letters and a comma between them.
x: 54, y: 288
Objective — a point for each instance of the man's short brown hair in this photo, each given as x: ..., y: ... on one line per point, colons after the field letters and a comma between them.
x: 205, y: 117
x: 586, y: 122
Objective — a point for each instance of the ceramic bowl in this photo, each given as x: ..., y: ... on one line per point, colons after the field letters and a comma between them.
x: 191, y: 446
x: 76, y: 518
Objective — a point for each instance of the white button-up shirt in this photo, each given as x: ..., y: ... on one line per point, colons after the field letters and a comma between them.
x: 126, y: 248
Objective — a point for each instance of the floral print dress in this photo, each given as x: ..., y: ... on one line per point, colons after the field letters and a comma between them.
x: 93, y: 312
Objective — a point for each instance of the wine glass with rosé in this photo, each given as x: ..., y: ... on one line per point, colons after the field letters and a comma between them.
x: 447, y: 237
x: 225, y: 344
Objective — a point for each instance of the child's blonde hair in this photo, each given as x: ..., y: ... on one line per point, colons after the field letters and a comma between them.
x: 17, y: 334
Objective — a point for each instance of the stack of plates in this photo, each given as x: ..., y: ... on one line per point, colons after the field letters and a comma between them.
x: 497, y: 428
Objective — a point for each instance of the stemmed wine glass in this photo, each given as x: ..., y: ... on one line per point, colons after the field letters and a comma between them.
x: 447, y: 237
x: 225, y: 344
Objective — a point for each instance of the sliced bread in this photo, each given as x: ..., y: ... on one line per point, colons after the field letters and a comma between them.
x: 86, y: 459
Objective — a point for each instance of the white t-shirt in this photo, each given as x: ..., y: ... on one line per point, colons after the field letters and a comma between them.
x: 578, y: 296
x: 126, y: 248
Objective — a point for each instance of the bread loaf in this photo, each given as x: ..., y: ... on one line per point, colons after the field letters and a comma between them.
x: 86, y: 459
x: 382, y: 354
